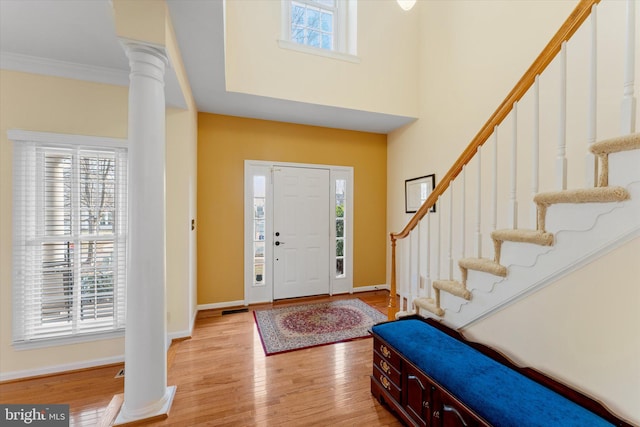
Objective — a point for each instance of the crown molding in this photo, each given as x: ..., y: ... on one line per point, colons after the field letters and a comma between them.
x: 70, y: 70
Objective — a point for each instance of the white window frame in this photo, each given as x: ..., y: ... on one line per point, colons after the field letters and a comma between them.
x: 264, y: 292
x: 345, y: 31
x: 26, y: 145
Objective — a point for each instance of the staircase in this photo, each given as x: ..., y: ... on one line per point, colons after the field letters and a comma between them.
x: 609, y: 216
x: 570, y: 227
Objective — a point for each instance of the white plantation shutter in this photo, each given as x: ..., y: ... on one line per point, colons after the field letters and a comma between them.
x: 70, y: 235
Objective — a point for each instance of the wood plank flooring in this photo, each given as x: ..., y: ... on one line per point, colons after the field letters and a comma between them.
x: 223, y: 378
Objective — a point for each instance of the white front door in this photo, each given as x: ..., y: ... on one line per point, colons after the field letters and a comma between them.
x: 301, y: 233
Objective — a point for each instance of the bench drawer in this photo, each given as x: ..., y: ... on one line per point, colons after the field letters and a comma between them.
x: 386, y: 383
x: 387, y: 353
x: 385, y: 366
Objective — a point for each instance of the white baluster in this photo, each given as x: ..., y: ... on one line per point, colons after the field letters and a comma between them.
x: 428, y: 255
x: 561, y: 160
x: 591, y: 161
x: 419, y: 259
x: 407, y: 283
x: 439, y: 243
x: 629, y: 101
x: 412, y: 268
x: 478, y: 241
x: 463, y: 209
x: 404, y: 275
x: 415, y: 291
x: 450, y: 255
x: 513, y: 202
x: 494, y: 195
x: 535, y: 153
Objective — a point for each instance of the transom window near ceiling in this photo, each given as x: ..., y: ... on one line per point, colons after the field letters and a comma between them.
x: 312, y: 23
x: 324, y: 27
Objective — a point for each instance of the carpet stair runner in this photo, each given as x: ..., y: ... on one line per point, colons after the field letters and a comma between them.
x: 600, y: 194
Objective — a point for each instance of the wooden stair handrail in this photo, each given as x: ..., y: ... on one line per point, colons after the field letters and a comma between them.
x: 566, y: 31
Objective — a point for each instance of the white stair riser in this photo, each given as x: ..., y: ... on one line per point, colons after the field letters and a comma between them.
x: 522, y: 254
x: 624, y: 168
x: 575, y: 216
x: 572, y: 249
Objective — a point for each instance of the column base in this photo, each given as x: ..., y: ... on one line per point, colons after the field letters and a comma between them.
x: 128, y: 420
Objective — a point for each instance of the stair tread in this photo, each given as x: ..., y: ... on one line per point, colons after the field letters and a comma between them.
x: 453, y: 287
x: 537, y: 237
x: 429, y: 305
x: 583, y: 195
x: 483, y: 264
x: 614, y: 145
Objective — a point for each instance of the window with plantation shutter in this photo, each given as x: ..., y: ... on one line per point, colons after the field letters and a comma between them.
x: 70, y: 236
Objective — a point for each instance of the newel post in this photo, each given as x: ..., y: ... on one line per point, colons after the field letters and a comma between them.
x: 392, y: 309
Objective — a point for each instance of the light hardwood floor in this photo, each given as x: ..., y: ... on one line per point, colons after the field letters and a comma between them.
x: 223, y: 378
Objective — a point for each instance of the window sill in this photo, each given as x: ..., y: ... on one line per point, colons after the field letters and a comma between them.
x: 286, y: 44
x: 54, y: 342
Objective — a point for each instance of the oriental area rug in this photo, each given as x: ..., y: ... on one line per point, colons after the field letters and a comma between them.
x: 303, y: 326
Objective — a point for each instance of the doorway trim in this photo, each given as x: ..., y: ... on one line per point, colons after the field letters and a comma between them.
x: 263, y: 292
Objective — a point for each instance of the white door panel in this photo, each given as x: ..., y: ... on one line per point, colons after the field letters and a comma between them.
x: 301, y: 232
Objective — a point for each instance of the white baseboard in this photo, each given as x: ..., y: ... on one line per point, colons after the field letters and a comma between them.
x: 221, y: 305
x: 179, y: 334
x: 193, y: 320
x: 240, y: 303
x: 184, y: 333
x: 7, y: 376
x: 371, y: 288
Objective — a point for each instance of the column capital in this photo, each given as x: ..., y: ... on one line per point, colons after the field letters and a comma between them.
x: 146, y: 58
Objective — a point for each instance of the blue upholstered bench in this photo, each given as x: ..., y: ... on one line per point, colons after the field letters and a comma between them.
x: 499, y: 394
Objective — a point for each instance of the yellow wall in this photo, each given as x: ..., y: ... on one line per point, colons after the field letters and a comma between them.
x: 224, y: 143
x: 49, y: 104
x: 181, y: 177
x: 142, y: 20
x: 383, y: 81
x: 149, y: 21
x: 463, y: 43
x: 181, y: 208
x: 584, y: 330
x: 575, y: 329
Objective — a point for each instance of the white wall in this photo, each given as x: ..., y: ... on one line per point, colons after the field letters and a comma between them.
x: 383, y: 81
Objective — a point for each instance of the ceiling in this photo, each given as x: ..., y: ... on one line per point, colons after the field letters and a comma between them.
x: 76, y: 39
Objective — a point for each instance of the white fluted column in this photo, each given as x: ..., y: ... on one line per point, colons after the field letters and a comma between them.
x: 146, y: 394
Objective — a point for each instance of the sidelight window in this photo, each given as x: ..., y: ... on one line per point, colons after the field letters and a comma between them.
x: 259, y: 198
x: 340, y: 195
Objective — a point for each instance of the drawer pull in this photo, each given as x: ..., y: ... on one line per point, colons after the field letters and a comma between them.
x: 414, y: 378
x: 385, y: 367
x: 385, y: 351
x: 436, y: 414
x: 425, y: 404
x: 447, y: 408
x: 385, y: 382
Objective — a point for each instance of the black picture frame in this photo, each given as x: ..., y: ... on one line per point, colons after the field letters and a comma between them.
x: 416, y: 190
